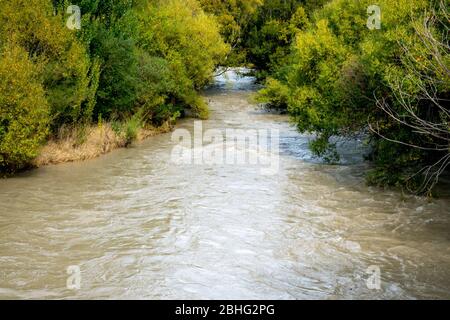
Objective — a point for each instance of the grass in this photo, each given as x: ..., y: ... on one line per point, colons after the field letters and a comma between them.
x: 89, y: 142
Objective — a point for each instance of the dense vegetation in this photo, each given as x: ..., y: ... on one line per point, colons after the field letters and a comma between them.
x: 341, y: 78
x: 128, y: 60
x: 144, y: 61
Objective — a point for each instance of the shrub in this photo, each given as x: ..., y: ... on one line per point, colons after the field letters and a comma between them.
x: 118, y: 81
x: 23, y: 109
x: 62, y: 62
x: 340, y: 78
x: 188, y: 39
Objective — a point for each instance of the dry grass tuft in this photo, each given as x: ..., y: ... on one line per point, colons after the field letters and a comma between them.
x: 77, y: 144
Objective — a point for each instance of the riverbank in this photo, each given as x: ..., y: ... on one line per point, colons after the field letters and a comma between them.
x: 81, y: 144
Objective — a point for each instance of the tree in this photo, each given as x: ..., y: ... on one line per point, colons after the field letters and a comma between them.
x: 24, y: 111
x: 234, y: 17
x: 341, y: 79
x: 189, y: 40
x: 61, y: 59
x: 425, y: 112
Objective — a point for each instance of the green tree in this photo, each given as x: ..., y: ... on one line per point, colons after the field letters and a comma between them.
x: 189, y: 40
x: 339, y: 78
x: 24, y: 111
x: 234, y: 17
x: 64, y: 66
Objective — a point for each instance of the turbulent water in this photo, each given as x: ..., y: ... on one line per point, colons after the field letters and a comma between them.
x: 138, y: 225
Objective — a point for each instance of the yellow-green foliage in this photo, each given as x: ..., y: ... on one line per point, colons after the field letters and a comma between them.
x: 188, y: 39
x: 338, y: 68
x: 182, y: 33
x: 275, y: 93
x: 23, y: 109
x: 271, y: 31
x: 337, y: 64
x: 234, y: 17
x: 62, y: 60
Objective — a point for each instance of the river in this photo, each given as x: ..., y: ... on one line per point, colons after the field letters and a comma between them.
x: 134, y: 224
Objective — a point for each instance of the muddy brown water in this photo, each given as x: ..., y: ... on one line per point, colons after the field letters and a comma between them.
x: 139, y: 226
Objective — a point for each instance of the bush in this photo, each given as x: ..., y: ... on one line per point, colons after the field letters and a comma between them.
x: 23, y: 109
x: 157, y: 87
x: 340, y: 78
x: 62, y: 61
x: 188, y: 40
x: 132, y: 127
x: 234, y: 18
x: 275, y: 94
x: 118, y: 81
x: 132, y: 61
